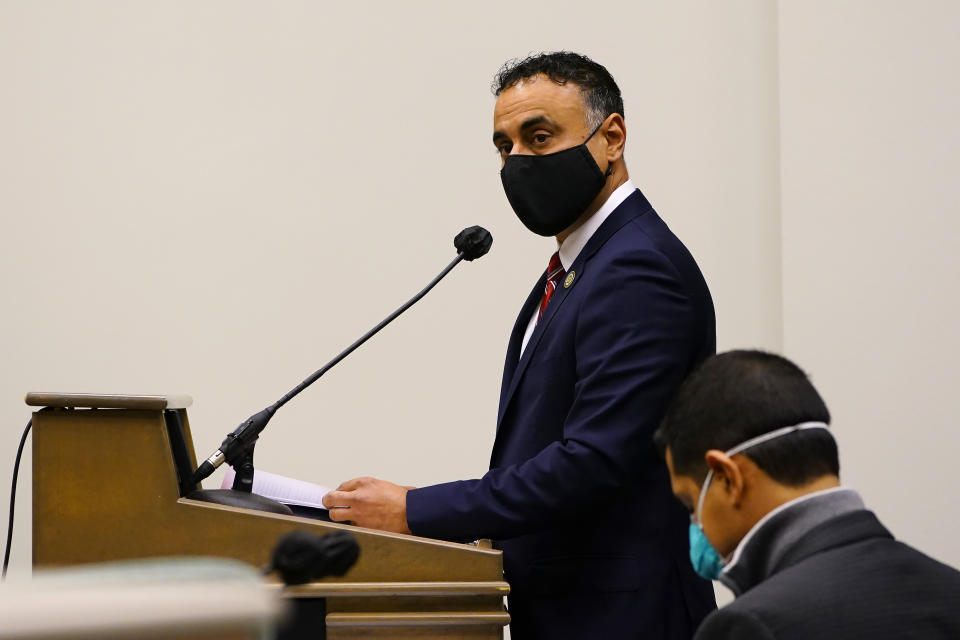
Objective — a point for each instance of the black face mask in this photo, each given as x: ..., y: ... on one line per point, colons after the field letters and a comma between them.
x: 549, y: 192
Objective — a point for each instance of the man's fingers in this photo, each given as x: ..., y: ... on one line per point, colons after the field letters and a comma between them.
x: 371, y: 503
x: 337, y: 498
x: 327, y: 500
x: 338, y: 505
x: 341, y: 495
x: 339, y: 515
x: 355, y: 483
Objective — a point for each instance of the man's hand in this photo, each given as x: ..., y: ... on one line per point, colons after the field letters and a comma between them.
x: 371, y: 503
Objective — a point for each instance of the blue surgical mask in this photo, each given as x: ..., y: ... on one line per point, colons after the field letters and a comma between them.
x: 703, y: 556
x: 706, y: 561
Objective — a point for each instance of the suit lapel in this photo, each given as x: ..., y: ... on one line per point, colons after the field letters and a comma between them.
x: 629, y: 209
x: 516, y: 340
x: 556, y: 300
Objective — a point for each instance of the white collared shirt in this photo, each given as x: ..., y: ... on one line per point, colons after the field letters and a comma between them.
x: 576, y: 241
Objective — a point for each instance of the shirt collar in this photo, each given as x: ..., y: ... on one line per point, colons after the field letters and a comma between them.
x: 576, y: 241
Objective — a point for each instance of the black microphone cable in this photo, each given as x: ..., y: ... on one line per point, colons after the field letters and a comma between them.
x: 13, y: 497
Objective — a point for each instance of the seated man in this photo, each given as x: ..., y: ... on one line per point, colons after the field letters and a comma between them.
x: 750, y: 455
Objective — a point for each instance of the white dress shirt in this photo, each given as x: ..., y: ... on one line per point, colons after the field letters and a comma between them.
x: 576, y: 241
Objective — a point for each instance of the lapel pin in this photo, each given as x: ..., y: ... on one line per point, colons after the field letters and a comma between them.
x: 570, y: 278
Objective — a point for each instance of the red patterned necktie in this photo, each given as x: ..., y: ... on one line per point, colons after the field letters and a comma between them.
x: 554, y: 274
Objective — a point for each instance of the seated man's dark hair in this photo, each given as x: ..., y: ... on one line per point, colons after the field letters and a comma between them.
x: 600, y: 92
x: 735, y: 396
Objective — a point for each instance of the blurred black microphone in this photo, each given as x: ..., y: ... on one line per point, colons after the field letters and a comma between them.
x: 302, y: 557
x: 471, y: 243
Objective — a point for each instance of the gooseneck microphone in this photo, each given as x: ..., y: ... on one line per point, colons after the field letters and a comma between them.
x: 471, y: 243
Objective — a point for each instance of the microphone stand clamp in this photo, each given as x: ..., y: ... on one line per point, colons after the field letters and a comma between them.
x: 243, y: 477
x: 237, y: 451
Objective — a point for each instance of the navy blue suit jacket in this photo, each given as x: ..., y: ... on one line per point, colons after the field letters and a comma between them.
x: 576, y: 495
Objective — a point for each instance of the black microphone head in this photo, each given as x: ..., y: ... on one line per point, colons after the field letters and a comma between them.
x: 473, y: 242
x: 300, y: 556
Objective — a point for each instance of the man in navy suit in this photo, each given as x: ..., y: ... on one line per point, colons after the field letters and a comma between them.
x: 577, y: 496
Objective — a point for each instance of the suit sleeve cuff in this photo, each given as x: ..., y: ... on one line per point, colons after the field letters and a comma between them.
x: 429, y: 514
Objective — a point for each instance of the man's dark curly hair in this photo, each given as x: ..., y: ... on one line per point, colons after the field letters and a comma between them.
x: 601, y: 94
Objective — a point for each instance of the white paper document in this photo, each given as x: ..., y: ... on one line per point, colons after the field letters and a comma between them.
x: 283, y: 489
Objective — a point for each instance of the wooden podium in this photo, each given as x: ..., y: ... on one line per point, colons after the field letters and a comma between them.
x: 110, y: 473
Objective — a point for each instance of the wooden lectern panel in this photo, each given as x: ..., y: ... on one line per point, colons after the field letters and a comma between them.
x: 106, y: 487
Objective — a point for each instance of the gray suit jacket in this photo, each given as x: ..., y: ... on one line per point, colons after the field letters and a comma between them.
x: 840, y: 574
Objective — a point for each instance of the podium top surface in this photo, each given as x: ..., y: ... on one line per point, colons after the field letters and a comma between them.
x: 107, y: 401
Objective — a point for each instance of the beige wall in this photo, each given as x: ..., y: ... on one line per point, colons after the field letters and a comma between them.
x: 870, y: 98
x: 215, y: 198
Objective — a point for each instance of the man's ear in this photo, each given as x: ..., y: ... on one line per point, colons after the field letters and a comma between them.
x: 727, y: 474
x: 616, y: 136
